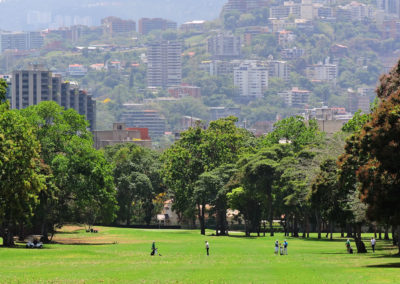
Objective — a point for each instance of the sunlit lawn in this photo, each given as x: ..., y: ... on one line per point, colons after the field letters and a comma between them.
x: 123, y: 255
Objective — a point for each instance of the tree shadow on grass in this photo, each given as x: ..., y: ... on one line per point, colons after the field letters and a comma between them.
x: 334, y: 253
x: 320, y: 240
x: 83, y: 243
x: 19, y: 245
x: 388, y: 256
x: 70, y: 233
x: 385, y: 265
x: 242, y: 237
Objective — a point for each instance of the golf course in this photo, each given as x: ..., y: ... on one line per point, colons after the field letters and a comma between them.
x: 119, y: 255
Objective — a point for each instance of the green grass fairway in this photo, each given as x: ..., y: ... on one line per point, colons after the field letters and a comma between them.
x: 123, y: 256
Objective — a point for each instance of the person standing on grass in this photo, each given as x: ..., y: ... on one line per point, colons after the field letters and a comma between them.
x: 348, y: 245
x: 276, y: 247
x: 373, y: 242
x: 153, y: 248
x: 208, y: 248
x: 285, y: 244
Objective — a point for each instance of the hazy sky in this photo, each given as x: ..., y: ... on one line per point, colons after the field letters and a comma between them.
x: 34, y: 14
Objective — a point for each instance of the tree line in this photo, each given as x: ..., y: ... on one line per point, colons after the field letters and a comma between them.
x: 296, y: 175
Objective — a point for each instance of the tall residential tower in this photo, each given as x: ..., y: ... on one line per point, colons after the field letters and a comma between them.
x: 164, y: 64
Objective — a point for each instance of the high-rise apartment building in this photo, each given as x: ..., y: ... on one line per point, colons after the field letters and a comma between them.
x: 147, y: 25
x: 250, y: 79
x: 296, y: 97
x: 224, y: 46
x: 244, y: 6
x: 137, y: 115
x: 323, y: 72
x: 114, y: 25
x: 32, y: 86
x: 389, y: 6
x: 20, y: 41
x: 164, y: 67
x: 279, y: 69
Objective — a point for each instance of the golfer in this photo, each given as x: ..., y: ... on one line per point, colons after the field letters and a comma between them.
x: 285, y: 244
x: 373, y: 242
x: 276, y: 247
x: 208, y: 248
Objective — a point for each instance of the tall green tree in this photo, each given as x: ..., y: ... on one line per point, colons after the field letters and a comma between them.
x: 137, y: 177
x: 63, y: 134
x: 199, y: 151
x: 21, y: 178
x: 371, y: 158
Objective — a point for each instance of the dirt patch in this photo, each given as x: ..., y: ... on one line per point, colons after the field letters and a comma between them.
x: 71, y: 228
x: 76, y: 235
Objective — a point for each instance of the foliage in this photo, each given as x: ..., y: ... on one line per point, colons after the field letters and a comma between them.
x: 3, y: 91
x: 356, y: 122
x: 296, y: 132
x: 196, y: 152
x: 81, y: 186
x: 21, y: 176
x: 370, y: 163
x: 138, y: 181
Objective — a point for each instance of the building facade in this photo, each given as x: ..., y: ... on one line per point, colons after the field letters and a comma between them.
x: 147, y: 25
x: 121, y: 134
x: 296, y: 97
x: 224, y: 46
x: 114, y: 25
x: 250, y: 80
x: 164, y: 66
x: 185, y: 90
x: 32, y: 86
x: 21, y: 41
x: 193, y: 26
x: 136, y: 115
x: 279, y: 69
x: 323, y: 72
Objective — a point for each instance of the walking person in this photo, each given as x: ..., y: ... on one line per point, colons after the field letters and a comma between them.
x: 153, y: 248
x: 373, y: 242
x: 285, y: 245
x: 208, y: 248
x: 276, y: 247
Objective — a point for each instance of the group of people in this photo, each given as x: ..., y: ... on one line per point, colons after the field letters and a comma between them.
x: 281, y: 248
x: 350, y: 249
x: 154, y: 250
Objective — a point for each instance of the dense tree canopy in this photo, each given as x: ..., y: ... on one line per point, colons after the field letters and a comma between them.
x: 22, y: 176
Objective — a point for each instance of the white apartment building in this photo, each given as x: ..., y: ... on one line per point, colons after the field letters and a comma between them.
x: 223, y: 46
x: 250, y: 79
x: 358, y: 11
x: 296, y: 97
x: 322, y: 72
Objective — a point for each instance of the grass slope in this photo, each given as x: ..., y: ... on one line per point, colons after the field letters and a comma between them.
x: 123, y: 255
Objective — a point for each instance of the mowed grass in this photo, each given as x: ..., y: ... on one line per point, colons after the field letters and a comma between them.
x: 117, y: 255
